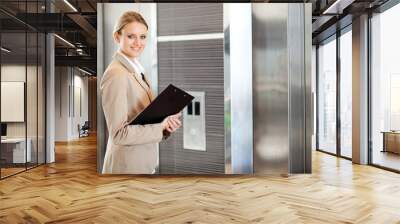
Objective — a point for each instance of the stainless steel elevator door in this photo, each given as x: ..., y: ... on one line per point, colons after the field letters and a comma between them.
x: 270, y: 88
x: 281, y: 88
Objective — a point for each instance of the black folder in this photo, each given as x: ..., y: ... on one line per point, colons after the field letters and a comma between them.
x: 170, y: 101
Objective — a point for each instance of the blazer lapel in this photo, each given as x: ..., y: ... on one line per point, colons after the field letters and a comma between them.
x: 149, y: 92
x: 124, y: 61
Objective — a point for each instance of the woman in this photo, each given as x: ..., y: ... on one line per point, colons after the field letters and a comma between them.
x: 125, y: 92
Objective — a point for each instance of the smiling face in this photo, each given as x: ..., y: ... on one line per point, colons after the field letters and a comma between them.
x: 132, y: 39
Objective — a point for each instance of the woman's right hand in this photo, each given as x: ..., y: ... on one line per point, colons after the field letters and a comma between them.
x: 172, y: 123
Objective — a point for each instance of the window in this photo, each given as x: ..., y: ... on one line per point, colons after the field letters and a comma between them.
x: 385, y: 89
x: 327, y: 97
x: 346, y: 93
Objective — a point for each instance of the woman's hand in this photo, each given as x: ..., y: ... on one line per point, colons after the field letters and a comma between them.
x: 172, y: 123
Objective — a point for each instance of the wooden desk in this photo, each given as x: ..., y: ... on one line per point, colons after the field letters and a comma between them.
x: 391, y: 141
x: 13, y: 150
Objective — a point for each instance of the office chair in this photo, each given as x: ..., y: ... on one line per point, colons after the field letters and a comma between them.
x: 84, y: 130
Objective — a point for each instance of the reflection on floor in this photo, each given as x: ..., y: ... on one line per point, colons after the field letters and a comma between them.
x: 71, y: 191
x: 11, y: 169
x: 387, y: 159
x: 346, y: 152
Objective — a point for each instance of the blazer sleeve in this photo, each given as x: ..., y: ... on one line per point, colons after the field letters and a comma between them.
x: 115, y: 107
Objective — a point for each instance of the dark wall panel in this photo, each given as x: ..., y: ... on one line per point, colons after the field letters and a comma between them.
x: 189, y: 18
x: 195, y: 66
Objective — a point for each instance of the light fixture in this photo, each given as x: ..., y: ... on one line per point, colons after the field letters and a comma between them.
x: 5, y: 50
x: 84, y: 71
x: 65, y: 41
x: 337, y: 7
x: 70, y: 5
x: 80, y: 51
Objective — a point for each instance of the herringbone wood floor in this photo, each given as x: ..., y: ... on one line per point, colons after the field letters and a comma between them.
x: 70, y: 191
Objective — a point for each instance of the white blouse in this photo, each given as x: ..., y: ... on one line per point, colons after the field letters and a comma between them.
x: 136, y: 65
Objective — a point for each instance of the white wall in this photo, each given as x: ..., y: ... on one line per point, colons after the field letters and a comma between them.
x: 17, y: 73
x: 80, y: 84
x: 69, y: 82
x: 61, y: 103
x: 14, y: 73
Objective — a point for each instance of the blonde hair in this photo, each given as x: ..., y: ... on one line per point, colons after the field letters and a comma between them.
x: 126, y: 18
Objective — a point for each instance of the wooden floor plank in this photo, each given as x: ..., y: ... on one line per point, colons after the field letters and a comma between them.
x: 70, y: 191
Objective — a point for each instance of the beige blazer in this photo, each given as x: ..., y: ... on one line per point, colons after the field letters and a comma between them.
x: 131, y: 149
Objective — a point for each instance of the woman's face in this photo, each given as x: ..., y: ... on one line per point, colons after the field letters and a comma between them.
x: 132, y: 39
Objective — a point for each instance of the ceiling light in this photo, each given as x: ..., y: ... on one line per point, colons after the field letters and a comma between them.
x: 84, y: 71
x: 5, y: 50
x: 64, y: 40
x: 70, y: 5
x: 337, y: 7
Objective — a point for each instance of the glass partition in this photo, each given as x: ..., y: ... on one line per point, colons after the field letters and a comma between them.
x: 327, y: 96
x: 41, y: 91
x: 31, y: 100
x: 22, y: 89
x: 13, y: 105
x: 31, y: 86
